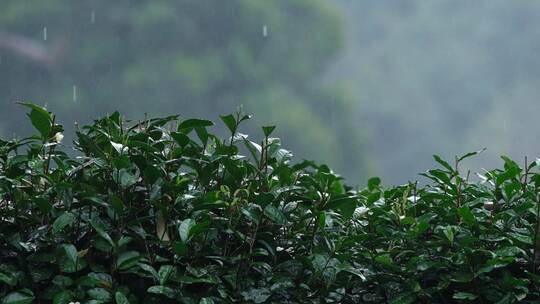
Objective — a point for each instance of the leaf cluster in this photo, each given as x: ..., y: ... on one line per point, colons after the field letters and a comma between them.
x: 164, y: 211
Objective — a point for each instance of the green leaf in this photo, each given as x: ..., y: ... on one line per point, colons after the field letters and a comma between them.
x: 374, y: 183
x: 462, y: 277
x: 194, y: 123
x: 509, y: 298
x: 41, y: 119
x: 511, y: 172
x: 127, y: 260
x: 206, y: 301
x: 440, y: 175
x: 245, y: 117
x: 62, y: 281
x: 63, y: 297
x: 464, y: 296
x: 385, y: 259
x: 88, y: 145
x: 100, y: 294
x: 8, y: 279
x: 164, y: 272
x: 151, y: 174
x: 162, y: 290
x: 345, y: 205
x: 120, y: 298
x: 256, y: 295
x: 180, y: 138
x: 43, y: 204
x: 449, y: 233
x: 99, y: 227
x: 230, y: 122
x: 23, y: 296
x: 126, y: 179
x: 253, y: 148
x: 71, y: 262
x: 66, y: 219
x: 268, y: 130
x: 252, y: 212
x: 275, y: 214
x: 71, y: 253
x: 116, y: 203
x: 180, y: 248
x: 148, y: 269
x: 443, y: 163
x: 467, y: 216
x: 189, y: 228
x: 184, y: 229
x: 467, y: 155
x: 524, y: 238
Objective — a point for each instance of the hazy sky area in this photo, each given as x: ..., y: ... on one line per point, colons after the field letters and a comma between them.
x: 445, y: 77
x: 370, y: 87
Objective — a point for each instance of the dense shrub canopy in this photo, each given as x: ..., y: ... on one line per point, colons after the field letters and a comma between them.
x: 164, y: 211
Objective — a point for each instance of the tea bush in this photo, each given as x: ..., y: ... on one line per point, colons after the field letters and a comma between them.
x: 163, y: 211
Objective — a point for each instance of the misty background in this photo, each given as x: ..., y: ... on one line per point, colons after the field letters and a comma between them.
x: 369, y: 87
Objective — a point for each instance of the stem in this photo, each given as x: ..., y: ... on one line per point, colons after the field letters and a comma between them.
x: 536, y: 240
x: 458, y: 184
x: 51, y: 149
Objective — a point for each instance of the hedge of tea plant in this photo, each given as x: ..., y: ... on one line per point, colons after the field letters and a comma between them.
x: 163, y: 211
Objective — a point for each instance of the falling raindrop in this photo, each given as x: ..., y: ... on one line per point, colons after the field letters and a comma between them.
x: 45, y: 33
x: 74, y: 93
x: 265, y: 30
x: 0, y: 59
x: 93, y: 17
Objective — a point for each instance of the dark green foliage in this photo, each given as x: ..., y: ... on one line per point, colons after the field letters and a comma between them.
x: 163, y: 211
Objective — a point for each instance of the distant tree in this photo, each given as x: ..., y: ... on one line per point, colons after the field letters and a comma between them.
x: 196, y: 58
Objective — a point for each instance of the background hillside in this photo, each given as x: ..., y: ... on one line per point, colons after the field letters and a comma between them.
x: 370, y: 87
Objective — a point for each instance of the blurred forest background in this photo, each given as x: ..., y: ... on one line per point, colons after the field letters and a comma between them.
x: 370, y: 87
